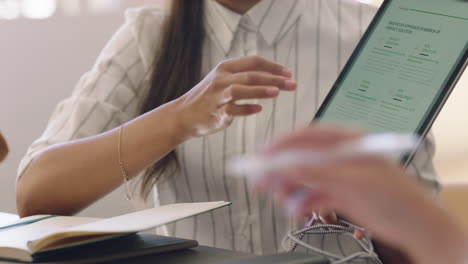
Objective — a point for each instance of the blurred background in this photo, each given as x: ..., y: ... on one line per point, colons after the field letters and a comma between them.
x: 45, y: 47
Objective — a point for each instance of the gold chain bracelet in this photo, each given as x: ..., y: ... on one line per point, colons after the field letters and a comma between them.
x: 121, y: 164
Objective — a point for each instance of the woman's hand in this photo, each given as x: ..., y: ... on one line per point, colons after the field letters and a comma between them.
x: 211, y: 105
x: 369, y: 191
x: 327, y: 216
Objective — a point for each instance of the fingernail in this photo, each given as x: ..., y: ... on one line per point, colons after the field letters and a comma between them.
x: 287, y: 73
x: 272, y: 91
x: 256, y: 108
x: 290, y: 85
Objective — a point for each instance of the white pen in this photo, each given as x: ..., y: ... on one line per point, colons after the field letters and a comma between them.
x: 385, y: 145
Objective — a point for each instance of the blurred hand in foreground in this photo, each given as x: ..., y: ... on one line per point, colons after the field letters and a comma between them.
x: 370, y: 191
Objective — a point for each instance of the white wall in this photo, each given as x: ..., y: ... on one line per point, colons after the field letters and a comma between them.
x: 451, y: 131
x: 40, y: 62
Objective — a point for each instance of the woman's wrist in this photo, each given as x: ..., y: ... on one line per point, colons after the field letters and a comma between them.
x: 438, y: 238
x: 443, y: 244
x: 183, y: 123
x: 179, y: 125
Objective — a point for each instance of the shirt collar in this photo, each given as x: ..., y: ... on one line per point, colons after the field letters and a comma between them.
x: 271, y: 18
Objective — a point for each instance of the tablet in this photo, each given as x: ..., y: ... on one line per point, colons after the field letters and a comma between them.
x: 403, y: 69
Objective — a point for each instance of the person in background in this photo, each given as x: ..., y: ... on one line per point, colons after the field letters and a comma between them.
x: 165, y: 103
x: 371, y: 191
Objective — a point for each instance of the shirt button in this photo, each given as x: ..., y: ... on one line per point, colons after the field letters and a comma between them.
x: 247, y: 24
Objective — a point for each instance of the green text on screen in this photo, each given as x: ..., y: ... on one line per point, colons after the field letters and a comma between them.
x: 403, y: 66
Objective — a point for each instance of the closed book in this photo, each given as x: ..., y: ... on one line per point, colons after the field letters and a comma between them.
x: 23, y: 242
x: 122, y: 248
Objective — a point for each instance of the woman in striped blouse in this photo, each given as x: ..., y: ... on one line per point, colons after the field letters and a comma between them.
x: 178, y: 82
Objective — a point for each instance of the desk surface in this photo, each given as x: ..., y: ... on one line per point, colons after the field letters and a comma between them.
x: 198, y: 255
x: 209, y: 255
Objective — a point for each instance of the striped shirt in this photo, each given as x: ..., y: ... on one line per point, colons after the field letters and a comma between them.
x: 313, y: 38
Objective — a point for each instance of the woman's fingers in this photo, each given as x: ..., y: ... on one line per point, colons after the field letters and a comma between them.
x: 359, y: 234
x: 242, y: 110
x: 328, y: 216
x: 254, y: 63
x: 208, y: 103
x: 263, y: 79
x: 239, y: 92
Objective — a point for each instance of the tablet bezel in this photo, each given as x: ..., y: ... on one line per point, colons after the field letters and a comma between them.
x: 432, y: 114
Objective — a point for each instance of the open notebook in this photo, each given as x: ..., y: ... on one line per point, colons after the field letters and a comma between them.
x: 58, y: 232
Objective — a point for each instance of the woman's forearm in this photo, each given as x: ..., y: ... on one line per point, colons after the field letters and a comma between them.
x: 424, y: 232
x: 441, y: 239
x: 67, y: 177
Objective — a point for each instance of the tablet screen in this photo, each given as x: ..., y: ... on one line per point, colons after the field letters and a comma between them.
x: 403, y: 66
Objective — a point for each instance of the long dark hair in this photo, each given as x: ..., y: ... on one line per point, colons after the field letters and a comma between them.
x: 177, y: 68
